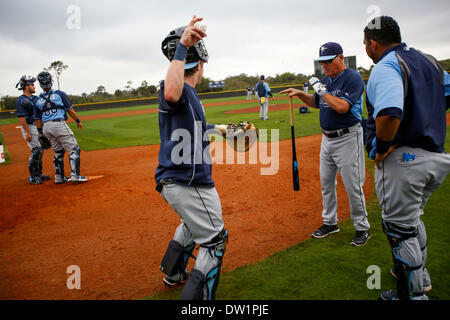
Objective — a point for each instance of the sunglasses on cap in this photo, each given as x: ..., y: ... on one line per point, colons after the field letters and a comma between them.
x: 328, y: 61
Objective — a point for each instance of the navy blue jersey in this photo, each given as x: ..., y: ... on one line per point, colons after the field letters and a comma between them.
x: 52, y: 105
x: 25, y: 107
x: 413, y: 87
x: 184, y: 151
x: 349, y: 86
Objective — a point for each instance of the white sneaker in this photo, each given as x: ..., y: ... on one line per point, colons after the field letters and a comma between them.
x: 78, y: 179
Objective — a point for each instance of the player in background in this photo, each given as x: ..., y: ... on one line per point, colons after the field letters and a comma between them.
x: 263, y: 90
x: 249, y: 93
x: 25, y: 110
x: 50, y: 115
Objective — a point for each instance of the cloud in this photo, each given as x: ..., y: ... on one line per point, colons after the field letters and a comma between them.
x: 121, y: 40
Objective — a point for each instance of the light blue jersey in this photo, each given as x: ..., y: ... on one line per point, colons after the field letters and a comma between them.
x: 385, y: 85
x: 52, y: 105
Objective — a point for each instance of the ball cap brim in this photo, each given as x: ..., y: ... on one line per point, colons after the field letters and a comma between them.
x: 329, y: 50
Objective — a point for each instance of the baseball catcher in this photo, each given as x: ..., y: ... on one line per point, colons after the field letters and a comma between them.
x: 184, y: 180
x: 25, y: 109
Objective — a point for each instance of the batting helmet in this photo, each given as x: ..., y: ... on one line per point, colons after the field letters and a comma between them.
x: 25, y: 80
x: 45, y: 80
x: 196, y: 53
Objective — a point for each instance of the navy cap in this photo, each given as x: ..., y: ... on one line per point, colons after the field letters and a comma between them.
x: 329, y: 50
x: 262, y: 77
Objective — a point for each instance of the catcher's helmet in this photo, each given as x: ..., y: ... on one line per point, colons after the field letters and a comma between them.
x: 196, y: 53
x: 25, y: 80
x: 45, y: 80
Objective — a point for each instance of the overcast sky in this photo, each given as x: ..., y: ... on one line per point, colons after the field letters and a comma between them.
x: 119, y: 41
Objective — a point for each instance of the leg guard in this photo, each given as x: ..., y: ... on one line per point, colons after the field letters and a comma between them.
x: 204, y: 279
x: 176, y: 258
x: 35, y: 163
x: 407, y: 259
x: 74, y: 159
x: 422, y: 238
x: 58, y: 163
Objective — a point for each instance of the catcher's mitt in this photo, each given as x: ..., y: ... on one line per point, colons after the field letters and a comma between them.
x: 45, y: 143
x: 241, y: 137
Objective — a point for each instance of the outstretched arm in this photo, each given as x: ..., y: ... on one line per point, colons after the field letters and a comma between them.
x: 307, y: 98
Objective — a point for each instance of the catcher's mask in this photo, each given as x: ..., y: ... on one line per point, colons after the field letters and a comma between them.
x: 195, y: 53
x: 24, y: 81
x: 45, y: 80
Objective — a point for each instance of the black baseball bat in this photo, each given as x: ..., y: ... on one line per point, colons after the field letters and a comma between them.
x: 295, y: 176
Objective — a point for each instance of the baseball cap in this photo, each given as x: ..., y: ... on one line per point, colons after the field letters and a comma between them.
x: 262, y: 77
x: 190, y: 65
x: 329, y: 50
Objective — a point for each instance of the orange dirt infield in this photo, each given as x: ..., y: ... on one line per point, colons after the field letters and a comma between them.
x: 116, y: 227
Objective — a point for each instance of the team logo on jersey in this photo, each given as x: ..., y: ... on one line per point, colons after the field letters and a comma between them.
x: 408, y: 157
x: 41, y: 101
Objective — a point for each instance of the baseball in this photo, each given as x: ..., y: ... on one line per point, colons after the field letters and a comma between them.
x: 200, y: 25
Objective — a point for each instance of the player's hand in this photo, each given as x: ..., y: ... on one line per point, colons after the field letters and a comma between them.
x: 221, y: 128
x: 291, y: 92
x: 80, y: 125
x: 380, y: 157
x: 29, y: 138
x: 192, y: 35
x: 318, y: 87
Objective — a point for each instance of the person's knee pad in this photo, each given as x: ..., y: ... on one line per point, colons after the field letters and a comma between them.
x: 193, y: 290
x: 58, y: 162
x: 176, y: 258
x: 35, y: 163
x: 74, y: 159
x: 403, y: 267
x: 216, y: 247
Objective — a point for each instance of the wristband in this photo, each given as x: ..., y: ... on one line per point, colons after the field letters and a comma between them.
x: 39, y: 130
x: 78, y: 121
x: 382, y: 146
x: 323, y: 94
x: 180, y: 52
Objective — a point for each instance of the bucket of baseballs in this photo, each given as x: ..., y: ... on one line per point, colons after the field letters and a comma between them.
x: 2, y: 154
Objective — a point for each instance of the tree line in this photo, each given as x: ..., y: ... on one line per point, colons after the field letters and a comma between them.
x: 144, y: 90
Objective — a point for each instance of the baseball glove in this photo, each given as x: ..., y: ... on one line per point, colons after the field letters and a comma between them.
x: 45, y: 143
x: 241, y: 137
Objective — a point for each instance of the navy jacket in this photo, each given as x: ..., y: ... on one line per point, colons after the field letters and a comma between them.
x: 184, y: 154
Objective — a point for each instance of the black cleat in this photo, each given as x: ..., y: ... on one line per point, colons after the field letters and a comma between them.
x: 35, y: 181
x: 45, y: 177
x: 388, y: 295
x: 325, y: 230
x: 169, y: 282
x: 361, y: 238
x: 63, y: 180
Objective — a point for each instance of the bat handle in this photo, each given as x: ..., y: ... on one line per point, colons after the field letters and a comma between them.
x: 291, y: 111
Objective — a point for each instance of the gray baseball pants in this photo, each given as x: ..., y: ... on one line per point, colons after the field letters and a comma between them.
x: 200, y: 212
x: 344, y: 154
x: 407, y: 179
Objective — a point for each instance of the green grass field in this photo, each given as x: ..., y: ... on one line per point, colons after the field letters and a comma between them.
x: 143, y: 129
x: 332, y: 269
